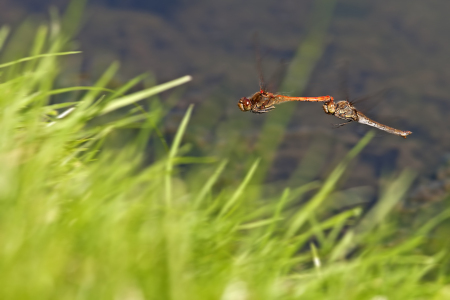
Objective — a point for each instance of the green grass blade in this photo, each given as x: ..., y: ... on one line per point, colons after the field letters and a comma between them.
x: 130, y: 99
x: 233, y: 199
x: 72, y: 18
x: 278, y: 211
x: 329, y: 185
x: 209, y: 183
x: 173, y: 152
x: 428, y: 226
x: 180, y: 132
x: 337, y: 223
x: 12, y: 63
x: 392, y: 196
x: 126, y: 87
x: 4, y: 32
x: 101, y: 83
x: 38, y: 46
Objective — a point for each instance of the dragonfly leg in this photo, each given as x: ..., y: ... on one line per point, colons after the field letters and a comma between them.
x: 342, y: 124
x: 263, y: 110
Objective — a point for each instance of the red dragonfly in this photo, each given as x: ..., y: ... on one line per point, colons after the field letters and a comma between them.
x: 264, y: 101
x: 346, y: 111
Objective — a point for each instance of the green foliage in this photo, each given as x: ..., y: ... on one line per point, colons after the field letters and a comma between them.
x: 82, y: 220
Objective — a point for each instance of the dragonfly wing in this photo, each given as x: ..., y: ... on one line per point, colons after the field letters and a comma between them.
x: 262, y: 84
x: 275, y: 80
x: 342, y: 124
x: 343, y: 81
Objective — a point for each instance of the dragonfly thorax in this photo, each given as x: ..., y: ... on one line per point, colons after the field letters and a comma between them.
x: 258, y: 102
x: 346, y: 111
x: 342, y: 109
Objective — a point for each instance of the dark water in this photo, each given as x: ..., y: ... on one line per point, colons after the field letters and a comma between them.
x: 389, y: 44
x: 162, y: 8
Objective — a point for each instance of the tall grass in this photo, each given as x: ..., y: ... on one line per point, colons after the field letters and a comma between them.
x: 82, y: 220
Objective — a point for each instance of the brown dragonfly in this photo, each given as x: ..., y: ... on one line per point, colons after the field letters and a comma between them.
x: 264, y: 101
x: 346, y: 111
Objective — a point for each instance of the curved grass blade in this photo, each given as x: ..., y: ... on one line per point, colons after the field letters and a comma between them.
x: 72, y: 16
x: 38, y: 46
x: 127, y: 86
x: 11, y: 63
x: 393, y: 194
x: 302, y: 216
x: 4, y: 32
x: 232, y: 201
x: 101, y: 82
x: 78, y: 88
x: 173, y: 152
x: 130, y: 99
x: 208, y: 185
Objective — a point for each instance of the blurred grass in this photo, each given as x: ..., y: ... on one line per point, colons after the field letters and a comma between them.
x: 82, y: 220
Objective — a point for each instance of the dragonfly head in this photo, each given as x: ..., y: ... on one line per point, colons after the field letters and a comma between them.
x: 245, y: 104
x: 329, y: 107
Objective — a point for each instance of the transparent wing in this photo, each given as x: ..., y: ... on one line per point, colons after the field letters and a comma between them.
x: 262, y: 84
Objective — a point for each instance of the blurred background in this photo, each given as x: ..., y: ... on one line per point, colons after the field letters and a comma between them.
x: 398, y: 45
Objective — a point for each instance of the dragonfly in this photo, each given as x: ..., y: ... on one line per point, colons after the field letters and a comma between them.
x: 345, y: 110
x: 264, y: 101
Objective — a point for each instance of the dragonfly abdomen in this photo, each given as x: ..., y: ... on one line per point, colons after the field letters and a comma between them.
x: 363, y: 119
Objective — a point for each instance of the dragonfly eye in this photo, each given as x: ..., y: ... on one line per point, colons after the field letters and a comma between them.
x: 245, y: 104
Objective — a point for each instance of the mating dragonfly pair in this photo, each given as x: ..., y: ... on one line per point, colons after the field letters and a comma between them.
x: 263, y: 101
